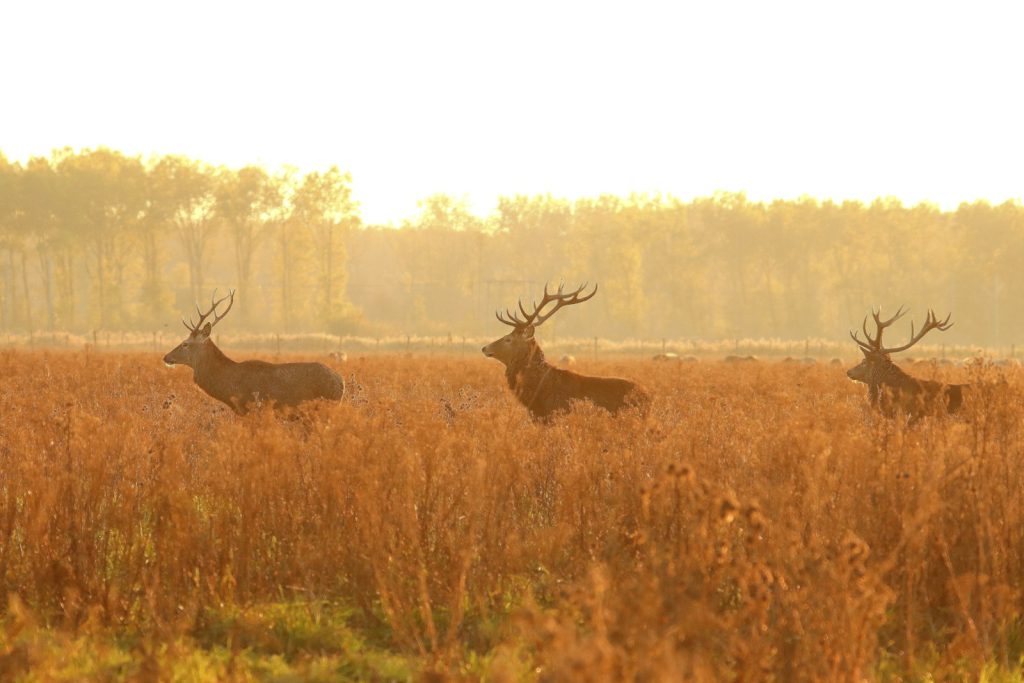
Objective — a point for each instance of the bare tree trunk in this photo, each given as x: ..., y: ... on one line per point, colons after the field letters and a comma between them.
x: 151, y: 284
x: 195, y: 252
x: 66, y: 289
x: 24, y: 287
x: 11, y: 275
x: 46, y: 268
x: 243, y: 265
x: 285, y: 284
x: 100, y: 285
x: 192, y: 241
x: 772, y: 312
x: 7, y: 298
x: 329, y: 277
x: 195, y: 276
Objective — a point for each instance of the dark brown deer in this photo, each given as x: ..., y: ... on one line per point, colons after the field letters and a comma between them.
x: 540, y: 386
x: 251, y: 382
x: 894, y: 391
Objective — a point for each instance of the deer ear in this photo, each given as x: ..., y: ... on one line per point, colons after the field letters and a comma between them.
x: 865, y: 352
x: 205, y: 332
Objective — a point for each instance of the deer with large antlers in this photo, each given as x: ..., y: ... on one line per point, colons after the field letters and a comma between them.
x: 892, y: 390
x: 540, y: 386
x: 251, y: 382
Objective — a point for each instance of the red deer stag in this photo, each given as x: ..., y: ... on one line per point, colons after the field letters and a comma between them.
x: 240, y: 385
x: 543, y: 388
x: 894, y: 391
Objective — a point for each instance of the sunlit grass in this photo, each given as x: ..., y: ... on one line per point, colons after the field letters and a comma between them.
x: 761, y: 523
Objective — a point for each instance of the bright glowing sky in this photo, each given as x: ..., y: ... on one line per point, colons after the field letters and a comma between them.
x: 918, y: 100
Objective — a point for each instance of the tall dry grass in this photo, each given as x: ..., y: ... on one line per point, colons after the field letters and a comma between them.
x: 761, y: 524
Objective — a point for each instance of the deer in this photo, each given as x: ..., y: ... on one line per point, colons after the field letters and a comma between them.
x: 252, y: 382
x: 544, y: 389
x: 890, y: 389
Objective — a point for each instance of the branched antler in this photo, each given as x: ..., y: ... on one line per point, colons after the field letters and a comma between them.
x: 194, y: 328
x: 931, y: 323
x: 535, y: 319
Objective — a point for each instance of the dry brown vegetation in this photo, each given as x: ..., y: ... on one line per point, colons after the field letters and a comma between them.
x: 760, y: 523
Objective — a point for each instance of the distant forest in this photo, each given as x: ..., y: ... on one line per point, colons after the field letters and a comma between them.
x: 97, y: 240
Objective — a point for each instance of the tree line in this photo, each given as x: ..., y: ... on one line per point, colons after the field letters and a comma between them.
x: 99, y: 240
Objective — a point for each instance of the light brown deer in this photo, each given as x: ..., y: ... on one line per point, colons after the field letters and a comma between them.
x: 251, y: 382
x: 540, y: 386
x: 894, y: 391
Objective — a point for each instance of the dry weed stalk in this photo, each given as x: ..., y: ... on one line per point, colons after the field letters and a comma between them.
x: 759, y: 523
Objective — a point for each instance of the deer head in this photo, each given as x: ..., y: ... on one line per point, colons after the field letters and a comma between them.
x: 519, y: 344
x: 188, y: 351
x: 877, y: 363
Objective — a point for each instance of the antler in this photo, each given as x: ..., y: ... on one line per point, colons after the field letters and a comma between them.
x: 931, y: 323
x: 535, y: 319
x: 876, y: 343
x: 213, y: 309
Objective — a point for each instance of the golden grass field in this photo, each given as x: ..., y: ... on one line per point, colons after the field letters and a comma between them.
x: 761, y: 524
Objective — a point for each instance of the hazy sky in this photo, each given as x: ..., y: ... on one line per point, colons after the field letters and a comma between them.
x: 919, y: 100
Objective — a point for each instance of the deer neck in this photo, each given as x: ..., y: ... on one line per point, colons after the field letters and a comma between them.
x: 525, y: 365
x: 892, y: 377
x: 210, y: 366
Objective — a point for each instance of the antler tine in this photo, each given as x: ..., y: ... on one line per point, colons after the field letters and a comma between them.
x: 215, y: 302
x: 872, y: 343
x: 944, y: 325
x: 217, y: 317
x: 931, y: 322
x: 880, y: 325
x: 864, y: 345
x: 510, y: 318
x: 561, y: 299
x: 194, y: 327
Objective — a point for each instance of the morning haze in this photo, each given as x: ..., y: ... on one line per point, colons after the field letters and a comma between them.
x: 98, y: 240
